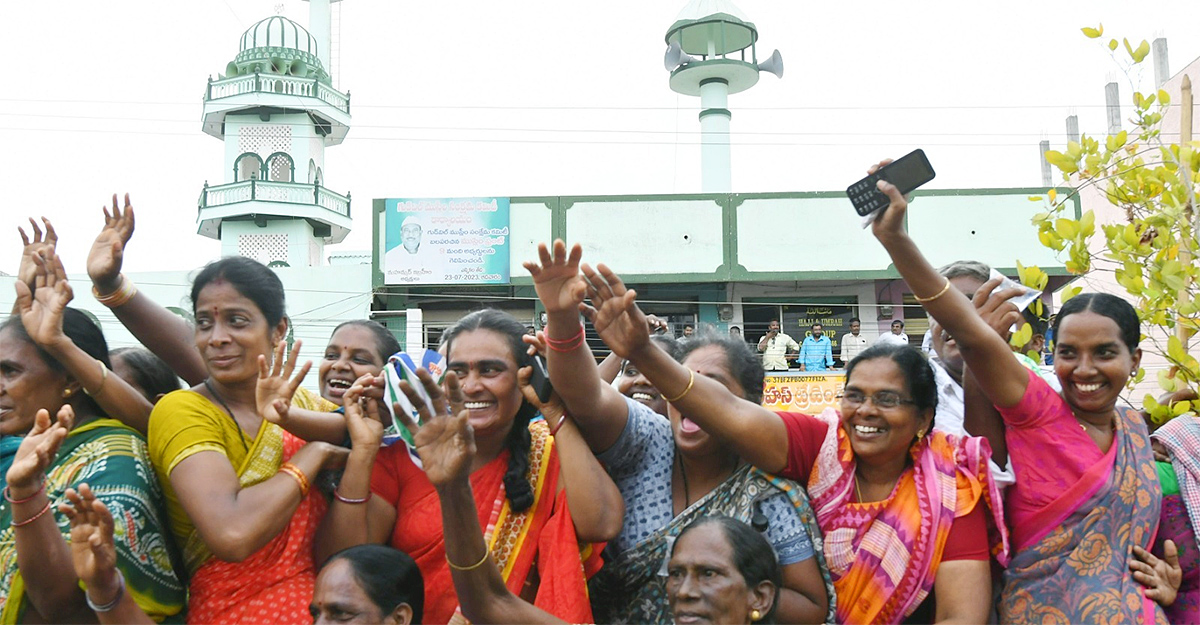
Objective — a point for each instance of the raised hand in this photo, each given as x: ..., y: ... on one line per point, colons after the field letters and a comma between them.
x: 27, y: 271
x: 996, y: 308
x: 891, y: 222
x: 1161, y: 577
x: 274, y: 391
x: 444, y: 440
x: 108, y: 250
x: 614, y: 312
x: 41, y: 310
x: 556, y: 279
x: 38, y: 449
x: 92, y: 549
x: 363, y: 419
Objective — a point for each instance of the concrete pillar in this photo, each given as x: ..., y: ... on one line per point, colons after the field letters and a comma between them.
x: 1112, y: 99
x: 1162, y: 69
x: 1043, y: 147
x: 715, y: 174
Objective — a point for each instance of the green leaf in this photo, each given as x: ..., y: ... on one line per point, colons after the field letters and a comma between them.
x: 1141, y: 52
x: 1092, y: 33
x: 1112, y: 44
x: 1070, y: 292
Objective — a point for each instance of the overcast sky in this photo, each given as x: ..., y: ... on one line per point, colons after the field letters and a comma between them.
x: 503, y: 98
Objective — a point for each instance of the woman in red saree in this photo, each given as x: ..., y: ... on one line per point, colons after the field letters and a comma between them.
x: 384, y: 496
x: 1084, y: 509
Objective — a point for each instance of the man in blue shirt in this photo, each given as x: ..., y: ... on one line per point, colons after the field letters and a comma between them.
x: 816, y: 352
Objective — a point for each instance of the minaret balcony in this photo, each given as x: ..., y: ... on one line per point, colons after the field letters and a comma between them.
x: 268, y: 93
x: 264, y: 200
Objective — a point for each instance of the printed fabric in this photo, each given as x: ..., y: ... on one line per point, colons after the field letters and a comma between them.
x: 884, y: 556
x: 631, y: 588
x: 1074, y: 566
x: 538, y: 545
x: 113, y: 460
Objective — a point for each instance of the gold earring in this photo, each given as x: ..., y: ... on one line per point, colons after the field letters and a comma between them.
x: 755, y: 615
x: 921, y: 433
x: 66, y: 393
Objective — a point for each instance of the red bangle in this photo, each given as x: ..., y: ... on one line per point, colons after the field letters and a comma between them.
x: 9, y: 499
x: 575, y: 337
x: 558, y: 426
x: 338, y: 496
x: 32, y: 518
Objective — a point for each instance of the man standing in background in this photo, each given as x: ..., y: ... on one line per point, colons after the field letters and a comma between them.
x: 774, y: 346
x: 852, y: 344
x: 816, y: 352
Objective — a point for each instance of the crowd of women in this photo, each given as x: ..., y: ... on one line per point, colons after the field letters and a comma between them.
x: 651, y: 488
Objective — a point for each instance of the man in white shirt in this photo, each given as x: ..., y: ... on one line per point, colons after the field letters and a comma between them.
x: 896, y: 336
x: 852, y: 344
x: 775, y: 346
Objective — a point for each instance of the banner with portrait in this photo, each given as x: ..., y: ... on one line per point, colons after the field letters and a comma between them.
x: 446, y: 241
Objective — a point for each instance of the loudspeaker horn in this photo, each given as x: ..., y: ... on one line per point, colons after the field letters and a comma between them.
x: 280, y: 65
x: 773, y: 65
x: 231, y: 69
x: 675, y: 57
x: 299, y: 68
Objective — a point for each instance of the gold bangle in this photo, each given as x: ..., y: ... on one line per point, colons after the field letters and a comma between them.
x: 456, y: 567
x: 299, y: 476
x: 103, y: 379
x: 691, y: 381
x: 119, y: 297
x: 926, y: 300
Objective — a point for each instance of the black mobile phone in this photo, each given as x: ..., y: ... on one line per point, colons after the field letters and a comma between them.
x: 540, y: 380
x: 909, y: 172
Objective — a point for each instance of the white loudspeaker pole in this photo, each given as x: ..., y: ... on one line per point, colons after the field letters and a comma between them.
x: 711, y: 53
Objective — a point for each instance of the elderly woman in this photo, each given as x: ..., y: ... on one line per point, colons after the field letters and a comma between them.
x: 670, y: 471
x: 908, y: 514
x: 1075, y: 513
x: 54, y: 360
x: 720, y: 570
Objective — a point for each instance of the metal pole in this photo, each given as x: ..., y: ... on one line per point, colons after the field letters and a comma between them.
x: 1185, y: 137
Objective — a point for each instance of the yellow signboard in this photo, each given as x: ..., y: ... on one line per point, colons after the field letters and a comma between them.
x: 809, y: 393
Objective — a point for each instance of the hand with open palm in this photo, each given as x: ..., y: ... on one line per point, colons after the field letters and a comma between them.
x: 556, y: 277
x: 274, y: 391
x: 108, y: 250
x: 38, y: 450
x: 27, y: 271
x: 444, y: 440
x: 614, y: 312
x: 41, y: 310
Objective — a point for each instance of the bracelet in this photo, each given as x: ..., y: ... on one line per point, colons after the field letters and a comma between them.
x: 558, y: 426
x: 566, y: 345
x: 338, y: 496
x: 296, y: 473
x: 119, y: 297
x: 456, y: 567
x: 926, y: 300
x: 691, y: 381
x: 32, y: 518
x: 9, y: 499
x: 111, y: 605
x: 103, y: 379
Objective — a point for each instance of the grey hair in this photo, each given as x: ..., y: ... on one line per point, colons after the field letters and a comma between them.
x: 968, y: 268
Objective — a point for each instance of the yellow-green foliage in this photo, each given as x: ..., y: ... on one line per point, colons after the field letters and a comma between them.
x: 1153, y: 250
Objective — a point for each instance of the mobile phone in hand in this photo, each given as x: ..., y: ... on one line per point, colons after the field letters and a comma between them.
x: 540, y: 380
x: 909, y: 172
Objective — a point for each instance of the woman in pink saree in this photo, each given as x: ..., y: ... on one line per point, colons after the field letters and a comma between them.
x: 1084, y: 509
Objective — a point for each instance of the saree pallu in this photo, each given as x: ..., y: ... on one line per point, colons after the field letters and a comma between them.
x: 113, y: 460
x: 274, y: 584
x: 630, y: 588
x: 884, y: 556
x: 538, y: 545
x: 1075, y: 568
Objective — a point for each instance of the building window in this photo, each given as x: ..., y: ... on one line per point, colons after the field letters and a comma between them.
x: 248, y: 167
x: 280, y: 167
